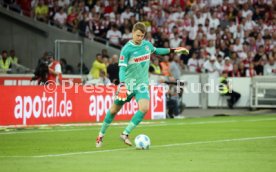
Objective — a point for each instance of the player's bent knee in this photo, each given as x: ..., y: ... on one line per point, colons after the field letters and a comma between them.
x: 143, y: 105
x: 144, y: 109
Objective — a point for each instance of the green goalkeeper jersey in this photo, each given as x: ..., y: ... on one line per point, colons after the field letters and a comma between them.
x: 135, y: 61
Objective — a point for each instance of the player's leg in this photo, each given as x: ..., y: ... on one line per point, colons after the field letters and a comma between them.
x: 138, y: 116
x: 143, y: 103
x: 115, y: 108
x: 111, y: 113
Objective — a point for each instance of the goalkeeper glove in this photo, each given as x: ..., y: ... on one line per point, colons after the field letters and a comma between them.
x: 180, y: 50
x: 122, y: 92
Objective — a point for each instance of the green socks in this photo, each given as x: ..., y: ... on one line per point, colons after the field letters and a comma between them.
x: 136, y: 119
x: 107, y: 120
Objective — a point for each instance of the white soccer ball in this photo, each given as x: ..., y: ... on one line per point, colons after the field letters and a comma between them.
x: 142, y: 142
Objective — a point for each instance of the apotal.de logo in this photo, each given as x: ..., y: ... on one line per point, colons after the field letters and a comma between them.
x: 42, y: 106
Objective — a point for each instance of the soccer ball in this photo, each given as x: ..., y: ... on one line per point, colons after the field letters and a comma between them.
x: 142, y: 142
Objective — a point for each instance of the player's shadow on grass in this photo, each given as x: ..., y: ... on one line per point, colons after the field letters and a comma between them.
x: 220, y: 114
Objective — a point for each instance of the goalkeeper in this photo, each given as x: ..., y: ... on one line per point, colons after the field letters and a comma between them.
x: 133, y: 74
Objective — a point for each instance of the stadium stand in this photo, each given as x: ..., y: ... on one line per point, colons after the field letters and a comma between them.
x: 245, y: 29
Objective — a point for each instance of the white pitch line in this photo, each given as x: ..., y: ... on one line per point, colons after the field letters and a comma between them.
x: 144, y: 125
x: 217, y: 141
x: 157, y: 146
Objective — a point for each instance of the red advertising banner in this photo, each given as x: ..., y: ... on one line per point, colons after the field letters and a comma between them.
x: 34, y: 105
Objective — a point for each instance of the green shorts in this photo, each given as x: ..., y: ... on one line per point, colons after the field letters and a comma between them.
x: 144, y: 94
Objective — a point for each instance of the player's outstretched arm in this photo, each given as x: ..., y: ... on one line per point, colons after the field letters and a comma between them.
x: 178, y: 50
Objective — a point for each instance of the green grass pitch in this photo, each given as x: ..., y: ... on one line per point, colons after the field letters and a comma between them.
x: 213, y: 144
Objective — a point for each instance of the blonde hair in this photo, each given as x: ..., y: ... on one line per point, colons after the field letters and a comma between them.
x: 139, y: 26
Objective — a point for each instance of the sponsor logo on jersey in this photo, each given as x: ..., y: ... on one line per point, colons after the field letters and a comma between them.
x: 122, y: 58
x: 147, y: 48
x: 142, y: 58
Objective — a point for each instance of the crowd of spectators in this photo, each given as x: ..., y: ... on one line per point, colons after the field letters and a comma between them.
x: 104, y: 70
x: 237, y: 36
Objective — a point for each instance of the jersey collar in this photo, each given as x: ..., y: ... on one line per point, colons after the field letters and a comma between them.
x: 132, y: 43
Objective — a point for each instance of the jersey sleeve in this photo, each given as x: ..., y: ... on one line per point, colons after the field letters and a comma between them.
x: 162, y: 51
x: 151, y: 47
x: 124, y: 57
x: 158, y: 51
